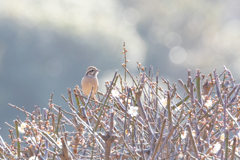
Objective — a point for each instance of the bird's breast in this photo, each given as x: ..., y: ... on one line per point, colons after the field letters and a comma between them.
x: 87, y: 84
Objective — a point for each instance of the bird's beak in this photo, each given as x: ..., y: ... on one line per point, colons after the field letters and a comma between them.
x: 98, y: 70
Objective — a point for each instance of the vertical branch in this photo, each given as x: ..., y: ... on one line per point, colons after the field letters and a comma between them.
x: 234, y: 147
x: 225, y: 112
x: 159, y: 142
x: 58, y: 123
x: 226, y: 144
x: 109, y: 138
x: 111, y: 122
x: 217, y: 86
x: 65, y: 155
x: 192, y: 140
x: 70, y: 96
x: 18, y: 139
x: 78, y: 96
x: 230, y: 76
x: 105, y: 101
x: 169, y: 110
x: 226, y: 131
x: 191, y: 85
x: 53, y: 121
x: 189, y: 78
x: 198, y: 85
x: 138, y: 98
x: 124, y: 130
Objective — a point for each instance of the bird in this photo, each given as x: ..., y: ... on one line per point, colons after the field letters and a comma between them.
x: 90, y: 80
x: 207, y: 86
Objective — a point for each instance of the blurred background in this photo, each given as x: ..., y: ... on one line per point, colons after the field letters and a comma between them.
x: 46, y: 46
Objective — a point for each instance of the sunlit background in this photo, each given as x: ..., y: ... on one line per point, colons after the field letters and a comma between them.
x: 46, y: 46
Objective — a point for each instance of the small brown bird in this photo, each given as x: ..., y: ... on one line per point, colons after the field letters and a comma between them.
x: 207, y: 86
x: 90, y: 80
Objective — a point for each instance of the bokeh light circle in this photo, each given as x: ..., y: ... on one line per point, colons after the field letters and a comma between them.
x: 177, y: 55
